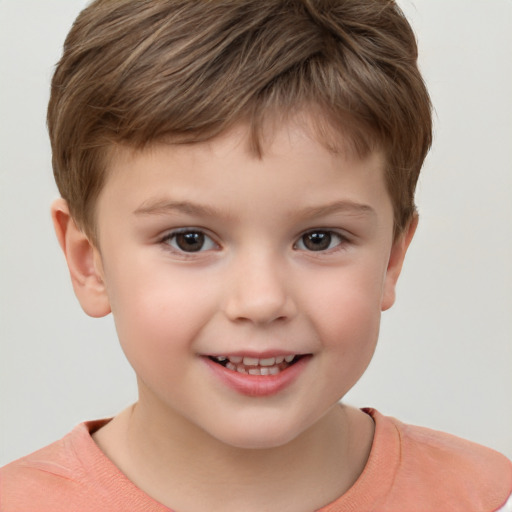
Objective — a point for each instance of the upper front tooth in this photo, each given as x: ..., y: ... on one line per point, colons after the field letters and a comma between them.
x: 254, y: 361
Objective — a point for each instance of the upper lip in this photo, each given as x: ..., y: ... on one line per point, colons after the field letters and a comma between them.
x: 257, y: 355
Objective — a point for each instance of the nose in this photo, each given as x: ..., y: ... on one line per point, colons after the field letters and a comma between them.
x: 259, y: 291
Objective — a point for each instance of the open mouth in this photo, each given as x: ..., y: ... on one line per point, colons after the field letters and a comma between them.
x: 257, y: 366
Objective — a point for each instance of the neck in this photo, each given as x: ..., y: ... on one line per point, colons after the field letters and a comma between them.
x: 185, y: 468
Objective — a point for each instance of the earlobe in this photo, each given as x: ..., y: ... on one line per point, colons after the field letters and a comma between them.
x: 396, y: 260
x: 83, y: 261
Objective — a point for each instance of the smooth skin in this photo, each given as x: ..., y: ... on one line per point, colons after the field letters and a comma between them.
x: 206, y: 249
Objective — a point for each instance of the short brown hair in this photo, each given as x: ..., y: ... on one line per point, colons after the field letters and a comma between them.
x: 138, y: 71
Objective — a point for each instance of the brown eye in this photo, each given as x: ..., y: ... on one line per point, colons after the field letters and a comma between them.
x: 190, y: 241
x: 318, y: 241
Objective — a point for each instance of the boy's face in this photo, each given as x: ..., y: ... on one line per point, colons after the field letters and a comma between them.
x: 208, y: 252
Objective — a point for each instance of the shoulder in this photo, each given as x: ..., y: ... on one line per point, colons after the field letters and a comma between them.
x: 449, y: 472
x: 71, y: 474
x: 445, y: 452
x: 51, y: 478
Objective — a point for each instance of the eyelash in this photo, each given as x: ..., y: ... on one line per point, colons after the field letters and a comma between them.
x: 322, y: 236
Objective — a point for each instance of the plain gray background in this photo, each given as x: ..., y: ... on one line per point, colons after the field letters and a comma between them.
x: 445, y: 354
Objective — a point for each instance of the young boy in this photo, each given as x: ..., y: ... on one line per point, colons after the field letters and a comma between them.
x: 237, y: 184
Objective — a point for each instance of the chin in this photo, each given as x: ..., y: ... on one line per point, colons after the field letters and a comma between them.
x: 259, y: 435
x: 258, y: 441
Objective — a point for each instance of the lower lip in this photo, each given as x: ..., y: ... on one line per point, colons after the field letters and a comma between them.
x: 258, y: 385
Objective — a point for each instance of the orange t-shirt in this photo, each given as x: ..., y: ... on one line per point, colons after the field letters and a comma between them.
x: 410, y: 469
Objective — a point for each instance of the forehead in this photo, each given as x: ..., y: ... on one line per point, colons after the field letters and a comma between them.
x: 294, y: 168
x: 340, y: 135
x: 279, y: 140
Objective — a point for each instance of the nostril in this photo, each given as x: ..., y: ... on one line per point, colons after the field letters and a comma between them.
x: 259, y: 310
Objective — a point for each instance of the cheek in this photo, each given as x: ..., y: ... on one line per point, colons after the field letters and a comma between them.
x: 350, y: 328
x: 349, y: 332
x: 346, y: 312
x: 157, y: 315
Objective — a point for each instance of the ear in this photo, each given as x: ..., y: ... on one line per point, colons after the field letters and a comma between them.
x: 84, y: 262
x: 396, y: 260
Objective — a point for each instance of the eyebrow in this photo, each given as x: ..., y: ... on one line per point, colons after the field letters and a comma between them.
x: 344, y: 206
x: 166, y: 207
